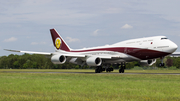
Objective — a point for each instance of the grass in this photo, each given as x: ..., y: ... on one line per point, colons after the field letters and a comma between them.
x: 88, y: 87
x: 166, y: 70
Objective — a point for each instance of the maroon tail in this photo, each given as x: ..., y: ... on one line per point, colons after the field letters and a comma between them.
x: 58, y: 41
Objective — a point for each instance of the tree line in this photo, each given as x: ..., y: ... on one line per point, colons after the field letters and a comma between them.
x: 35, y: 61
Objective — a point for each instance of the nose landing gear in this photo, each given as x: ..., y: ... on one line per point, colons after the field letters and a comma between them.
x: 161, y: 64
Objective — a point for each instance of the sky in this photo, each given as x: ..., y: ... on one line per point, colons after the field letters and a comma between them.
x: 25, y: 24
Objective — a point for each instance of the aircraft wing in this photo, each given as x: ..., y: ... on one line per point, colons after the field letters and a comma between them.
x: 46, y: 53
x: 30, y: 52
x: 72, y: 55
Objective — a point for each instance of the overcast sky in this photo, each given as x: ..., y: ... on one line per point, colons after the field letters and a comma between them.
x: 25, y: 24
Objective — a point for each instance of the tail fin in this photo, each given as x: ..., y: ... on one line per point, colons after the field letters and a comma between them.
x: 58, y: 41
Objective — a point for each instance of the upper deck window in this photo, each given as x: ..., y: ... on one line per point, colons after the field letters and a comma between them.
x: 163, y: 38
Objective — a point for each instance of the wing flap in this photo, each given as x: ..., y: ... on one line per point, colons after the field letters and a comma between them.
x: 73, y: 55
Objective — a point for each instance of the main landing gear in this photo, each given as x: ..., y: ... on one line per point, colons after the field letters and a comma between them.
x: 99, y: 69
x: 109, y: 69
x: 123, y: 66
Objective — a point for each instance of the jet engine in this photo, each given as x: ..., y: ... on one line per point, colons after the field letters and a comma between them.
x: 94, y: 61
x: 58, y: 59
x: 147, y: 62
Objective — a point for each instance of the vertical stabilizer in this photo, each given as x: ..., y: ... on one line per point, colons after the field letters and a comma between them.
x: 58, y: 41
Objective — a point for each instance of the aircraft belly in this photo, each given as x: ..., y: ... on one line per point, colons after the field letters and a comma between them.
x: 113, y: 61
x: 119, y: 60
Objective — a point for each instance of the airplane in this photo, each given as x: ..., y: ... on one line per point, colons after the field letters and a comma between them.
x: 145, y: 50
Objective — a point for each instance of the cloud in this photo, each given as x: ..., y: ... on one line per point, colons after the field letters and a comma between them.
x: 69, y: 39
x: 37, y: 2
x: 34, y: 43
x: 113, y: 10
x: 95, y: 33
x: 38, y: 43
x: 126, y: 26
x: 33, y: 11
x: 28, y: 37
x: 10, y: 39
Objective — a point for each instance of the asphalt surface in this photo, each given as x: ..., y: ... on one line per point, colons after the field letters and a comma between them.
x: 91, y: 73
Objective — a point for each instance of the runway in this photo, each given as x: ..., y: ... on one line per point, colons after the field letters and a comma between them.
x: 91, y: 73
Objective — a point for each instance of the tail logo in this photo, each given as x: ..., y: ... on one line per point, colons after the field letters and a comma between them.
x: 58, y: 43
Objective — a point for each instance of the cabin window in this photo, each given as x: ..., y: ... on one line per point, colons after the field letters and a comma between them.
x: 163, y: 38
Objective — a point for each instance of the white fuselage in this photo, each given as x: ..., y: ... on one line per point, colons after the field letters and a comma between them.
x: 130, y: 50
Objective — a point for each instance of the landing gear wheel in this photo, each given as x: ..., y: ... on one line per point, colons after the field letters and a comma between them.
x: 123, y: 66
x: 109, y: 69
x: 161, y: 64
x: 119, y: 70
x: 98, y: 69
x: 123, y: 71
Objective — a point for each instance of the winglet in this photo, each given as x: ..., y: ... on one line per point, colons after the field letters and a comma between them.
x: 58, y: 41
x: 12, y: 50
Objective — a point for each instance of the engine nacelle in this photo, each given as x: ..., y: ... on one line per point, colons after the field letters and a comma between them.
x: 94, y: 61
x: 58, y: 59
x: 147, y: 62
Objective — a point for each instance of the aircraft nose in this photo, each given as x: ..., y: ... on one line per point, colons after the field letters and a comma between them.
x: 174, y: 47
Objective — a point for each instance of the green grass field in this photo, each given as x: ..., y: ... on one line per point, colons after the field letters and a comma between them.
x: 89, y: 86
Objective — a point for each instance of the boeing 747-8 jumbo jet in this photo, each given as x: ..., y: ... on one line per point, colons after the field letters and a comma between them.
x: 144, y: 50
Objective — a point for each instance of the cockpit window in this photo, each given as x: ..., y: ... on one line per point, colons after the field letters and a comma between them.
x: 163, y: 38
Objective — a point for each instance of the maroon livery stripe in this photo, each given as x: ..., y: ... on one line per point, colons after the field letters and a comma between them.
x: 142, y: 54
